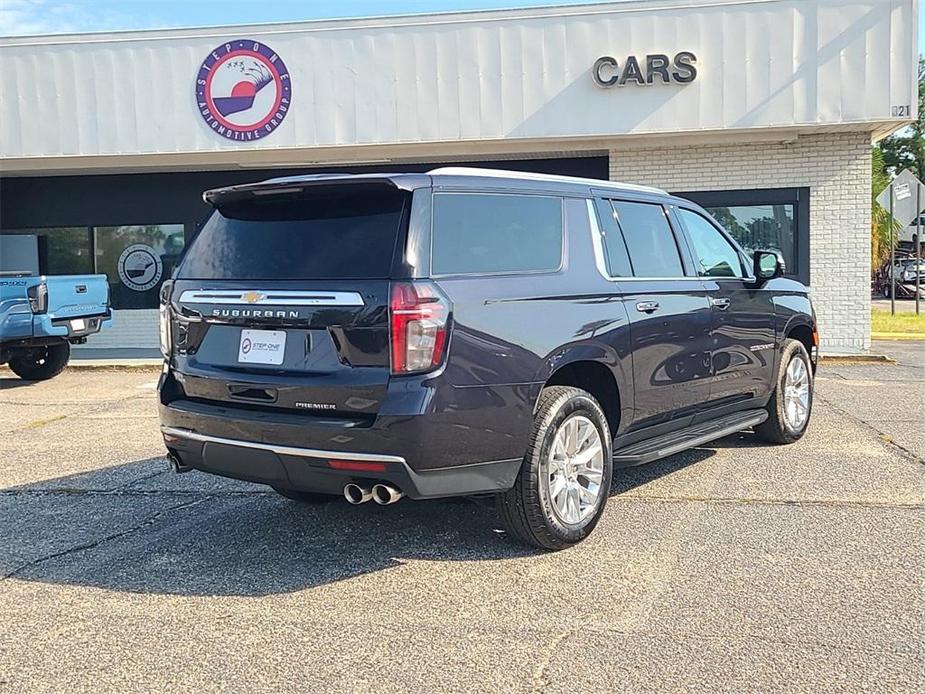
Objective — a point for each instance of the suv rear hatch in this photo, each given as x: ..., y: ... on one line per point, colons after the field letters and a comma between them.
x: 282, y: 299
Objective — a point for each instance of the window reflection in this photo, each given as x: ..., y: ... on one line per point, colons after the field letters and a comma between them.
x: 755, y: 227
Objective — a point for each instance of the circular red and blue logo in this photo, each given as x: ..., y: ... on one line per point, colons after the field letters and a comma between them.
x: 243, y: 90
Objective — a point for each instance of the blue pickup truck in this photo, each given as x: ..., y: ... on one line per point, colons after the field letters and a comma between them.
x: 41, y: 317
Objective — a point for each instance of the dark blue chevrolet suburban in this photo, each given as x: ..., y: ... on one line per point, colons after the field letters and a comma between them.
x: 469, y: 332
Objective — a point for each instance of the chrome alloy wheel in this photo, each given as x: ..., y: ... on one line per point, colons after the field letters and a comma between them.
x: 796, y: 394
x: 574, y: 470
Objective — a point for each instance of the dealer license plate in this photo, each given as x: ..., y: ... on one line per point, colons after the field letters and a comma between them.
x: 262, y: 347
x: 78, y: 324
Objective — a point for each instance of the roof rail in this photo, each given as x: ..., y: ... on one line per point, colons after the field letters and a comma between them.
x: 502, y: 173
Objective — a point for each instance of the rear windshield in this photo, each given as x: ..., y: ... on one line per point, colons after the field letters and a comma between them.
x: 344, y: 233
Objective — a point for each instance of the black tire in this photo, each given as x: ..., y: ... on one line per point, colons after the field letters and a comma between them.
x: 525, y: 509
x: 41, y: 363
x: 304, y: 497
x: 776, y: 428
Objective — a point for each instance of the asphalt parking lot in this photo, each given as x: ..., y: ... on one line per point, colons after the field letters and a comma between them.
x: 736, y: 566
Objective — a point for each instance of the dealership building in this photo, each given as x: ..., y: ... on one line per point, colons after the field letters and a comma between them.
x: 762, y: 111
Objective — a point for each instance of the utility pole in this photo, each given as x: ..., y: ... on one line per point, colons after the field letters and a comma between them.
x: 918, y: 257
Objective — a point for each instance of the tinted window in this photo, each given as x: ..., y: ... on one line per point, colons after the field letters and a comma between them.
x: 345, y: 233
x: 484, y: 233
x: 713, y: 254
x: 648, y: 236
x: 615, y: 253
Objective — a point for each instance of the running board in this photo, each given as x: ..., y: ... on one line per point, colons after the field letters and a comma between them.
x: 677, y: 441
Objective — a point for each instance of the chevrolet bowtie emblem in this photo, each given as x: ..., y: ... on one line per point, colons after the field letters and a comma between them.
x: 253, y: 297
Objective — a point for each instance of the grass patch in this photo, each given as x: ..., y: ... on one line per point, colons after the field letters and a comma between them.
x: 884, y: 322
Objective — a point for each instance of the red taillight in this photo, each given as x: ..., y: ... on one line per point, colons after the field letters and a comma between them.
x: 356, y: 465
x: 420, y: 317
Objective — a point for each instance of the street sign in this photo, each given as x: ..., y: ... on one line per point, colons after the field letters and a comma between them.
x: 905, y: 206
x: 904, y: 200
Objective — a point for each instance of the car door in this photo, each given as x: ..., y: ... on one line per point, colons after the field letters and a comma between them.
x: 742, y: 321
x: 670, y: 317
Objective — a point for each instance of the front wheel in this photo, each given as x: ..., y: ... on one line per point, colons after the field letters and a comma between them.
x: 564, y: 481
x: 791, y: 402
x: 41, y: 363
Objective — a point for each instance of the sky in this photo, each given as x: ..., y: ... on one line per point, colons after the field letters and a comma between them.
x: 22, y: 17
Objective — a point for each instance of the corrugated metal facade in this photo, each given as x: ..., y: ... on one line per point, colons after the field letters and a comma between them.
x: 473, y: 77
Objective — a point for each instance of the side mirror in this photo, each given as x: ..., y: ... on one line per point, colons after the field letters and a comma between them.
x: 767, y: 265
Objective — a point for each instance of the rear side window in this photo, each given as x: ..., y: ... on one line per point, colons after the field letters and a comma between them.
x: 345, y: 233
x: 649, y: 239
x: 479, y: 233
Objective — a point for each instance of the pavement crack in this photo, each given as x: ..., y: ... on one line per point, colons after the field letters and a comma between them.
x: 130, y: 493
x: 150, y: 520
x: 540, y: 676
x: 139, y: 480
x: 745, y: 501
x: 38, y: 423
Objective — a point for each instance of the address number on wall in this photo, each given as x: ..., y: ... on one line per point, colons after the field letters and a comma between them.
x: 902, y: 111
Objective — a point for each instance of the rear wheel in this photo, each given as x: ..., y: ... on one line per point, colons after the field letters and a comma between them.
x: 304, y: 497
x: 564, y: 481
x: 41, y: 363
x: 791, y: 403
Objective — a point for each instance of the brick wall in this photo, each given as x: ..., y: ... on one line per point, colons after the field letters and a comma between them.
x: 836, y: 168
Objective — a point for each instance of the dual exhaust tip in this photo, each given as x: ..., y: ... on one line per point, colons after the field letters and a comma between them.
x: 382, y: 494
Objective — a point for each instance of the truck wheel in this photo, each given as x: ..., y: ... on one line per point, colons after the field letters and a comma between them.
x: 41, y: 363
x: 564, y: 481
x: 304, y: 497
x: 791, y: 402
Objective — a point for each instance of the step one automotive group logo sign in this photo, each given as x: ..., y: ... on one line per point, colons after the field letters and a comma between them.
x: 243, y: 90
x: 140, y: 267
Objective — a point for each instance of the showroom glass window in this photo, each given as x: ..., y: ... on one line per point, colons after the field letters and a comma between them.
x: 134, y: 278
x: 771, y: 219
x: 49, y: 251
x: 767, y: 227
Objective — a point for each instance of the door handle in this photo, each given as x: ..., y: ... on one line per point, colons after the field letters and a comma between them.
x: 647, y: 306
x: 721, y: 304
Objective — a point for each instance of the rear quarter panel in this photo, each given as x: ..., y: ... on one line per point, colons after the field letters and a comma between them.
x: 512, y: 332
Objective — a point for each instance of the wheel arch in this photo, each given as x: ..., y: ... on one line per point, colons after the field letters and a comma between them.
x: 599, y: 374
x: 804, y: 332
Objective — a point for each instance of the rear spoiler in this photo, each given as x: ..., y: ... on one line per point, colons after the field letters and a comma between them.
x: 298, y: 184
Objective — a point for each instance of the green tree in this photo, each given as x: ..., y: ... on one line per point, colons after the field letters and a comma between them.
x: 906, y: 149
x: 880, y: 238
